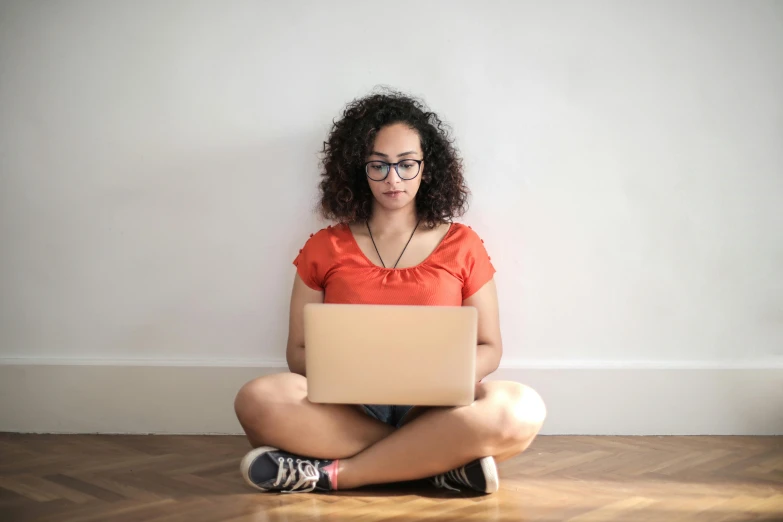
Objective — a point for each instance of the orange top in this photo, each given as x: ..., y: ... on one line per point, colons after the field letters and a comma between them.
x: 332, y: 261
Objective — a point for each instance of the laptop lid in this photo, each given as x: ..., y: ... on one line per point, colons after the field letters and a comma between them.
x: 390, y: 354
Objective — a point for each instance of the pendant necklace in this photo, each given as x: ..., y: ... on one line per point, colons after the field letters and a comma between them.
x: 403, y: 250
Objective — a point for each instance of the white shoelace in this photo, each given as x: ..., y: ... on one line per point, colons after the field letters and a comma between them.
x: 287, y: 473
x: 456, y: 475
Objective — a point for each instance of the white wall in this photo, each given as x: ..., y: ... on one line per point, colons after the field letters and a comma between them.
x: 158, y: 163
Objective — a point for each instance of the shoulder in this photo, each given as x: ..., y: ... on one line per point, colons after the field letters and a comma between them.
x: 326, y: 239
x: 475, y: 265
x: 466, y: 246
x: 464, y: 236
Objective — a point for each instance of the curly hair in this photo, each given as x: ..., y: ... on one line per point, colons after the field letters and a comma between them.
x: 345, y: 192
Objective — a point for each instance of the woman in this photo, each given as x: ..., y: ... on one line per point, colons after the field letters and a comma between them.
x: 393, y: 181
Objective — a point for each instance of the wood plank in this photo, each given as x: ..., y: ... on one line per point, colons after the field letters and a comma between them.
x: 64, y: 478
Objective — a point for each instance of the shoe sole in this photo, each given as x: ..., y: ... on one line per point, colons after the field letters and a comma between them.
x: 247, y: 461
x: 490, y: 470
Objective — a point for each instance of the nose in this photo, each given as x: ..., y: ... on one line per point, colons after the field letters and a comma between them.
x: 393, y: 176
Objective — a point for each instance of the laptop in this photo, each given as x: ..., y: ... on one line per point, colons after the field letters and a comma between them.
x: 390, y: 354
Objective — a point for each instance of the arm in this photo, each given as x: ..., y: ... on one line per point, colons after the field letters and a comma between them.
x: 295, y: 351
x: 490, y: 344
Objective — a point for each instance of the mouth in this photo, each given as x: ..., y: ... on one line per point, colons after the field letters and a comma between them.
x: 392, y: 192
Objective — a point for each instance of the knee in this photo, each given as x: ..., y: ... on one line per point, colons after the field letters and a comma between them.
x: 255, y: 399
x: 520, y: 413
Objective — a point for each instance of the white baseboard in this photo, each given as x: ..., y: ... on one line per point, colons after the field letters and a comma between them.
x: 83, y: 396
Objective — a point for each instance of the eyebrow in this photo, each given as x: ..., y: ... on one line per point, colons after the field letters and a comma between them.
x: 381, y: 154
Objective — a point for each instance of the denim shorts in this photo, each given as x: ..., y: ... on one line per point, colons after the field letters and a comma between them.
x: 391, y: 415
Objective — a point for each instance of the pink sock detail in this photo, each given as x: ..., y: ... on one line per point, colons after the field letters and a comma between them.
x: 331, y: 470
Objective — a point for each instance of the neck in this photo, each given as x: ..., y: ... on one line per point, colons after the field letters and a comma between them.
x: 386, y: 221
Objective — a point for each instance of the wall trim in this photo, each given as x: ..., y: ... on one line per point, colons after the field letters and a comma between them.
x: 193, y: 397
x: 516, y: 364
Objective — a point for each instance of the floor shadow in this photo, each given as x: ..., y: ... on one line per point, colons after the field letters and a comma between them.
x: 419, y: 488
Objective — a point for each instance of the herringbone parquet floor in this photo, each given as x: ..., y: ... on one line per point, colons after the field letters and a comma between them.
x: 61, y: 478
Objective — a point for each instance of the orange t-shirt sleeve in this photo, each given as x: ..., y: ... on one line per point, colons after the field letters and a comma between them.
x: 478, y: 266
x: 310, y: 263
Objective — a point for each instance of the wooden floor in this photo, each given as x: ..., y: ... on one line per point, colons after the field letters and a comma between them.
x: 155, y: 479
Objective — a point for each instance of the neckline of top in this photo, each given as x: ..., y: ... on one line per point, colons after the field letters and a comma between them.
x: 355, y: 244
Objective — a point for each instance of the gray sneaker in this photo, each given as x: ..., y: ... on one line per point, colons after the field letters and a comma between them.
x: 480, y: 475
x: 270, y: 469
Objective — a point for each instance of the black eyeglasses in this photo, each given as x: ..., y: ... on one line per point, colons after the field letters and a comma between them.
x: 407, y: 169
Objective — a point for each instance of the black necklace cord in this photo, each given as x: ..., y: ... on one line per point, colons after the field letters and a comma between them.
x: 403, y: 250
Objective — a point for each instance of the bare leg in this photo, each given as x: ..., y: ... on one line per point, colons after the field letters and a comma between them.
x: 274, y: 411
x: 503, y: 421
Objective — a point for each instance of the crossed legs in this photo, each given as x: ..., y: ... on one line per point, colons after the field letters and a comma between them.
x: 502, y: 421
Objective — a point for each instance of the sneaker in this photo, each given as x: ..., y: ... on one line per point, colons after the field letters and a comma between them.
x: 480, y: 475
x: 270, y: 469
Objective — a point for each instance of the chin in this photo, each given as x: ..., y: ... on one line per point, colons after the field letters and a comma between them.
x: 395, y: 205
